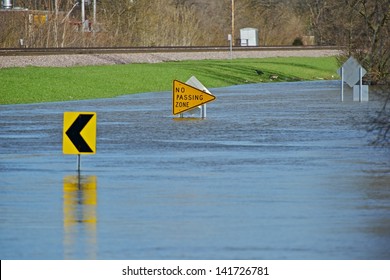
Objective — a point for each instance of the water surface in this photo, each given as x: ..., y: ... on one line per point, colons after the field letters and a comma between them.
x: 276, y: 171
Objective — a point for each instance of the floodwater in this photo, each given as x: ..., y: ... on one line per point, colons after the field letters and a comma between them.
x: 276, y: 171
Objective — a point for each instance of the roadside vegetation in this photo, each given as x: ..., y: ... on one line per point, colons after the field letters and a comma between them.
x: 48, y: 84
x: 360, y: 27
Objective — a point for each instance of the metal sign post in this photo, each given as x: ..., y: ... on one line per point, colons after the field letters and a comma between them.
x: 342, y: 84
x: 78, y: 163
x: 203, y: 109
x: 230, y: 39
x: 360, y: 84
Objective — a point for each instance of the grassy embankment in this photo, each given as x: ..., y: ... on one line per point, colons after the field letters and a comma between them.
x: 46, y: 84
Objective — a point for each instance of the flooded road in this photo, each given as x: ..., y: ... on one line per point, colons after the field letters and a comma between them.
x: 276, y: 171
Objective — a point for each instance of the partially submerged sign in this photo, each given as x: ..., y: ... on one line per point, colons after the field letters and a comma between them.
x: 79, y: 134
x: 194, y: 82
x: 350, y: 71
x: 186, y: 97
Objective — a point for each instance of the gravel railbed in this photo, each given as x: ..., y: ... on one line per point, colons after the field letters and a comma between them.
x: 70, y: 60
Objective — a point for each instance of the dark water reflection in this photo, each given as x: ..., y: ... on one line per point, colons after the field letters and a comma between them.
x: 276, y: 171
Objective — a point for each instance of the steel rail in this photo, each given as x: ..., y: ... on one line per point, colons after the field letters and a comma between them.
x: 112, y: 50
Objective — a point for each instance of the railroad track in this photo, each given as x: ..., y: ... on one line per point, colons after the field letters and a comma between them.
x: 111, y: 50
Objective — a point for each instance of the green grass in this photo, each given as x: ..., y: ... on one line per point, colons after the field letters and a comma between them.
x: 46, y: 84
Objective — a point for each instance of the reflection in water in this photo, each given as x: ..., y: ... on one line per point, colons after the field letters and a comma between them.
x: 80, y: 202
x: 377, y: 205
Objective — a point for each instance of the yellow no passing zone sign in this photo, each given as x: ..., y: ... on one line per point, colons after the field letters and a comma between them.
x: 79, y: 133
x: 186, y: 97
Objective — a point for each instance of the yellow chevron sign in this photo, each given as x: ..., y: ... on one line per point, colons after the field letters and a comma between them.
x: 186, y: 97
x: 79, y: 133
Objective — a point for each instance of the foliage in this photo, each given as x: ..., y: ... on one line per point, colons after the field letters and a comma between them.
x: 149, y: 23
x: 363, y: 28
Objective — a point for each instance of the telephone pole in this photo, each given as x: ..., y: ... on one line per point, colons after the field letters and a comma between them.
x: 233, y: 9
x: 82, y: 13
x: 94, y: 13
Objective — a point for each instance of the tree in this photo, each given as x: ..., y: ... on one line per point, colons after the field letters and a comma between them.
x: 361, y: 26
x: 380, y: 125
x: 369, y: 43
x: 156, y: 22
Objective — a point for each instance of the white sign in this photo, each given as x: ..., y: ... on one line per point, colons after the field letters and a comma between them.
x: 193, y: 81
x: 351, y: 71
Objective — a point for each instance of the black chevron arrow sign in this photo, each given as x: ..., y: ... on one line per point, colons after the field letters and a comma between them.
x: 74, y: 133
x: 75, y: 140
